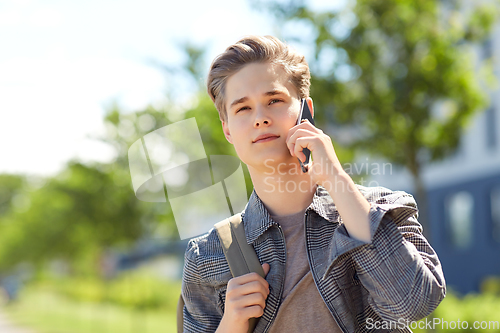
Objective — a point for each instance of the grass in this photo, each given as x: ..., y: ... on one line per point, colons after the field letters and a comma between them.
x: 47, y: 312
x: 43, y: 309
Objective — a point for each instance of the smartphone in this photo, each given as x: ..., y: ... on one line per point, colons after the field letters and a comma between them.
x: 305, y: 113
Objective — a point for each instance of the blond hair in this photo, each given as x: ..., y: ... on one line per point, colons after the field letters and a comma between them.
x: 256, y: 49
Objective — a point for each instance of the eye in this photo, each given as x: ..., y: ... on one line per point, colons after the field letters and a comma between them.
x: 243, y: 108
x: 274, y: 100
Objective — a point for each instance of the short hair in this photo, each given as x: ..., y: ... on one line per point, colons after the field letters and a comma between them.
x: 256, y: 49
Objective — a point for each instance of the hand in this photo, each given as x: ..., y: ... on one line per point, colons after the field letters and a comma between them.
x: 245, y: 298
x: 325, y: 165
x: 326, y: 171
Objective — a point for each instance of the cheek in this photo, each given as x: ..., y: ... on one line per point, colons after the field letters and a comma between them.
x: 293, y: 114
x: 290, y: 119
x: 237, y: 131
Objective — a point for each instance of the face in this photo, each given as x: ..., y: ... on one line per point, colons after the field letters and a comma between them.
x: 262, y: 105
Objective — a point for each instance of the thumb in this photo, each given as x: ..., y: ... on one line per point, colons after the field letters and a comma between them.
x: 266, y: 268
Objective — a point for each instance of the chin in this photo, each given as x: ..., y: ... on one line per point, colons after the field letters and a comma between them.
x: 271, y: 161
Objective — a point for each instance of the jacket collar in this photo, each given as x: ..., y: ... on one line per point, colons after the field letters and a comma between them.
x: 256, y: 218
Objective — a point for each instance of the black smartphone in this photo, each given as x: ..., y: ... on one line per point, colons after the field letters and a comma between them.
x: 305, y: 113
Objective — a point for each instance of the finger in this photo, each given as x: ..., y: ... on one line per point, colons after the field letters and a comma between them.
x: 245, y: 307
x: 300, y: 144
x: 266, y: 268
x: 250, y: 300
x: 294, y: 128
x: 254, y: 311
x: 305, y: 125
x: 242, y: 301
x: 301, y: 156
x: 260, y: 286
x: 240, y: 280
x: 298, y: 133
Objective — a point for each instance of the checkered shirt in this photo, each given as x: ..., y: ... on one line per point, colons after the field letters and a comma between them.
x: 396, y: 277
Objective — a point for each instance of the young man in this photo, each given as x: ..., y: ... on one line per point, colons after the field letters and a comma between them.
x: 338, y: 257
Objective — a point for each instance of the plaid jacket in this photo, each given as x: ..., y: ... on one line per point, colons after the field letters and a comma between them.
x: 397, y: 277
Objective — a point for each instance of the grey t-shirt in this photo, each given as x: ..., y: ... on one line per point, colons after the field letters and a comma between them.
x: 302, y: 309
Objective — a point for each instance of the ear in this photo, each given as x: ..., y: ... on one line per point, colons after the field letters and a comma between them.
x: 309, y: 102
x: 225, y: 129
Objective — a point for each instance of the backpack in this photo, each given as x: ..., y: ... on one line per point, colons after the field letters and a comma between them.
x: 240, y: 256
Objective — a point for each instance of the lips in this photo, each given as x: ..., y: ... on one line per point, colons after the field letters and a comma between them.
x: 265, y: 137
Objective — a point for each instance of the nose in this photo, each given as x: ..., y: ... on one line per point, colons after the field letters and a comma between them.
x: 261, y: 118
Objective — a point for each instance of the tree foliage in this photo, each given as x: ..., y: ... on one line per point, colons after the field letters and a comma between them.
x: 402, y: 70
x: 82, y: 210
x: 88, y: 208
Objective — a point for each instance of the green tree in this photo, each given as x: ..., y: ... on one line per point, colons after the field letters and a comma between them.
x: 399, y: 72
x: 88, y: 208
x: 11, y: 186
x: 73, y: 217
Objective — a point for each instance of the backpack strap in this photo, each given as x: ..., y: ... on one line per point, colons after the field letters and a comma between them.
x: 240, y: 256
x: 180, y: 315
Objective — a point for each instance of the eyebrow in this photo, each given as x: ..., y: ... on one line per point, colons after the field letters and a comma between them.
x: 269, y: 93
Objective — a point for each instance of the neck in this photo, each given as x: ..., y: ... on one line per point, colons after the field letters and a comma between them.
x: 284, y: 191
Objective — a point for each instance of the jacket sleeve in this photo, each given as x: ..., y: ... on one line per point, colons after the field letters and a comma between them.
x: 201, y: 310
x: 399, y: 268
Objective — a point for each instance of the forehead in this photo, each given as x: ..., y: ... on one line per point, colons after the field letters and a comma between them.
x: 256, y: 79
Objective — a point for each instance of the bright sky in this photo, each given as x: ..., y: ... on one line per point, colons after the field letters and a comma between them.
x: 63, y: 62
